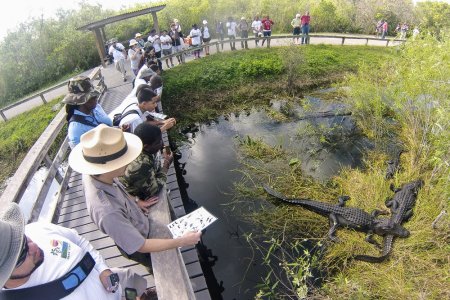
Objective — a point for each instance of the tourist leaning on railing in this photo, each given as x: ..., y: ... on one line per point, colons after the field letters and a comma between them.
x: 83, y: 111
x: 103, y: 155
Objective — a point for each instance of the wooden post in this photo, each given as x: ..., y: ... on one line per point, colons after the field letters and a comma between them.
x: 3, y: 115
x: 343, y: 40
x: 367, y: 41
x: 217, y: 47
x: 100, y: 46
x: 43, y: 98
x: 155, y: 22
x: 387, y: 43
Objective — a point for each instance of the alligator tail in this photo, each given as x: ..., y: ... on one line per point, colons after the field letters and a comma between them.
x: 276, y: 194
x: 387, y: 242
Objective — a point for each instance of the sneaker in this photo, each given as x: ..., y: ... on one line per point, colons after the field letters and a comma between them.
x: 173, y: 65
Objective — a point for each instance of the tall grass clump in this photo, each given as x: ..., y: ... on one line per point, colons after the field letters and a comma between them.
x: 19, y: 134
x: 404, y: 101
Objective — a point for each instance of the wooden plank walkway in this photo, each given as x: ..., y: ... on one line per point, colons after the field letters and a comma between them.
x: 74, y: 214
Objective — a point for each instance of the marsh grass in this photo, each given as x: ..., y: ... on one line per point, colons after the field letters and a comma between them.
x: 393, y: 99
x: 18, y: 135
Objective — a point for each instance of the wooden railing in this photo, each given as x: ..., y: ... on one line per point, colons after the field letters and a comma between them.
x: 219, y: 44
x: 38, y: 156
x: 41, y: 94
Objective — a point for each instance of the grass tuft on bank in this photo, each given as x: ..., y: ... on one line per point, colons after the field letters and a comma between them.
x: 396, y: 97
x: 19, y: 134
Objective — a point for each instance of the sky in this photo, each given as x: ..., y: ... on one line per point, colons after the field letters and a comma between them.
x: 14, y: 12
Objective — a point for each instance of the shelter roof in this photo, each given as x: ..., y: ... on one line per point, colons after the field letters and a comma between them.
x: 102, y: 23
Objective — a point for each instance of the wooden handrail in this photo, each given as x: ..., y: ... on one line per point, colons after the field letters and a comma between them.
x: 35, y: 156
x: 277, y: 37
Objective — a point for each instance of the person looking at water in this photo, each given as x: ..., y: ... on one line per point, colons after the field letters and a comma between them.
x: 83, y: 111
x: 40, y: 261
x: 145, y: 177
x: 102, y: 156
x: 147, y: 102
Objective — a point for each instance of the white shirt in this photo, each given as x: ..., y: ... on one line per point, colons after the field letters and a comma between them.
x: 137, y: 58
x: 166, y: 42
x: 195, y: 34
x: 63, y: 248
x: 231, y: 26
x: 256, y: 25
x: 118, y: 55
x: 155, y: 41
x: 133, y: 120
x: 206, y: 34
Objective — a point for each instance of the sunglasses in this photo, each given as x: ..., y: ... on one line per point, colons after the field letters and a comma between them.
x: 23, y: 252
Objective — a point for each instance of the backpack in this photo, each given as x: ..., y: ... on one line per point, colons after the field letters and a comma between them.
x: 118, y: 117
x: 83, y: 120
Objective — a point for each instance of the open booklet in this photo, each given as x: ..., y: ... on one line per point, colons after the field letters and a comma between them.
x: 197, y: 220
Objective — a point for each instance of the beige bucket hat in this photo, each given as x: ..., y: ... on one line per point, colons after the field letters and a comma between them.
x: 12, y: 226
x: 104, y: 149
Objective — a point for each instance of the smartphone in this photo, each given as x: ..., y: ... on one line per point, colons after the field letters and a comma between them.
x: 167, y: 150
x: 113, y: 282
x: 130, y: 294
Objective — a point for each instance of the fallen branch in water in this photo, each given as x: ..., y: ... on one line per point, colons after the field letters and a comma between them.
x: 325, y: 114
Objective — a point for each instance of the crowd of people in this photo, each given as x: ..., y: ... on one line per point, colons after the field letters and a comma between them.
x: 124, y: 173
x: 173, y: 41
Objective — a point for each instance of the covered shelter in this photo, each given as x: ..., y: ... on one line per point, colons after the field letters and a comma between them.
x: 98, y: 27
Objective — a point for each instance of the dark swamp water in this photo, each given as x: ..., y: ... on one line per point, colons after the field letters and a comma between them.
x: 207, y: 171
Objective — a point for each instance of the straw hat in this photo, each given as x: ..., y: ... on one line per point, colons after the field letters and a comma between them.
x: 104, y: 149
x: 137, y: 35
x: 12, y: 227
x: 133, y: 42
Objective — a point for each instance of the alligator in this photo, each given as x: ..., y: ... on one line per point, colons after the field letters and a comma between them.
x: 393, y: 165
x: 349, y: 217
x: 401, y: 206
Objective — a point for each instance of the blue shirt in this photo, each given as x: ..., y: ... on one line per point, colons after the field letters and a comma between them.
x: 76, y: 129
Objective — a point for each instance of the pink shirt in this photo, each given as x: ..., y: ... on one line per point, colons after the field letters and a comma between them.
x: 305, y: 19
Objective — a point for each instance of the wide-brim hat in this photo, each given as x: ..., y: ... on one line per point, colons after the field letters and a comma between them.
x: 133, y: 42
x: 138, y: 35
x: 104, y: 149
x: 12, y: 226
x: 205, y: 22
x: 81, y: 98
x: 147, y: 73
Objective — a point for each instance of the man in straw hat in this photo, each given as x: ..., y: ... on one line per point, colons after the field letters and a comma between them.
x: 83, y: 111
x: 136, y: 55
x: 49, y: 262
x: 140, y: 40
x: 103, y: 155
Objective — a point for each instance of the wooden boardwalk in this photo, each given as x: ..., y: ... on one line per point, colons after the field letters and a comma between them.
x: 74, y: 214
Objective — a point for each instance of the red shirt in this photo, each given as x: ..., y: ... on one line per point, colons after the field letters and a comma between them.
x: 305, y: 19
x: 267, y: 24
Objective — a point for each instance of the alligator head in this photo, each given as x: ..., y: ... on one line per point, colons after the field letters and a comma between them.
x: 383, y: 227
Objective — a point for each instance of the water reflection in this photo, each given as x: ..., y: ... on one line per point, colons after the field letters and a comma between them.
x: 230, y: 265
